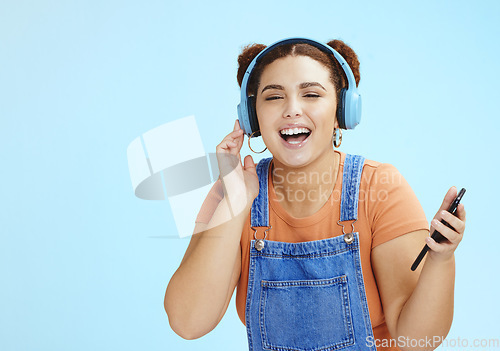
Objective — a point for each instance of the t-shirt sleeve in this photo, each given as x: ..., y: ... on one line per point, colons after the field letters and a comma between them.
x: 211, y: 202
x: 393, y: 208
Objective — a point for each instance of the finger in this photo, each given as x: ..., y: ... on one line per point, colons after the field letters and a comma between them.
x: 461, y: 212
x: 448, y: 199
x: 434, y: 246
x: 241, y: 138
x: 448, y: 233
x: 233, y: 135
x: 238, y: 139
x: 222, y: 147
x: 227, y: 144
x: 237, y: 124
x: 249, y: 164
x: 238, y: 135
x: 455, y: 222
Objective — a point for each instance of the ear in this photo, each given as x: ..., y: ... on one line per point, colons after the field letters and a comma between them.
x: 336, y: 123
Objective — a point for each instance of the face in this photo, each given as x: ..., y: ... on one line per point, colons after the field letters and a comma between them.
x: 296, y: 104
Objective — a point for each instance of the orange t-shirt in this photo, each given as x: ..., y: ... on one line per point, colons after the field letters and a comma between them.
x: 387, y: 208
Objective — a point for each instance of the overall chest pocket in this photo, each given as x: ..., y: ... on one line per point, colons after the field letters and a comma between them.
x: 306, y: 315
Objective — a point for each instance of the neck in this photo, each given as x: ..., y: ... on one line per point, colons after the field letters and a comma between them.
x: 303, y: 191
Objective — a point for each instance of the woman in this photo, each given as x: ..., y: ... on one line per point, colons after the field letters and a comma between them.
x: 318, y: 242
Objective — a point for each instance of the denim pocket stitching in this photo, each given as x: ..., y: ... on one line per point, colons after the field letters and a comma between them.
x: 340, y: 280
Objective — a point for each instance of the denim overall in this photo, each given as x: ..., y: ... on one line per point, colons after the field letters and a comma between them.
x: 307, y: 295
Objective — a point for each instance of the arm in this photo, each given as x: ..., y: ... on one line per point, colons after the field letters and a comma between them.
x: 418, y: 306
x: 199, y: 292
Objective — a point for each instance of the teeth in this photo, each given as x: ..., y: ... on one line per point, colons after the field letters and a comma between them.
x: 292, y: 131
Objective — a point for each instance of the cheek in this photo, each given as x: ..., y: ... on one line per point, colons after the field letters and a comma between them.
x: 324, y: 119
x: 266, y: 118
x: 261, y: 112
x: 267, y: 132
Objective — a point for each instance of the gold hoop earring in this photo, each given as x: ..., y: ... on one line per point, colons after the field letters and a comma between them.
x: 250, y: 137
x: 335, y: 143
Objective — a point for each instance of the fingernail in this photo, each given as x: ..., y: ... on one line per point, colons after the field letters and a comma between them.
x: 443, y: 213
x: 428, y: 240
x: 434, y: 222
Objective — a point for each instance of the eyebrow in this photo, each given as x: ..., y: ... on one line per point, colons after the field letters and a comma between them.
x: 301, y: 86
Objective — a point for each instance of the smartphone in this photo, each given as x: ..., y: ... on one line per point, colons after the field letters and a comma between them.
x: 437, y: 236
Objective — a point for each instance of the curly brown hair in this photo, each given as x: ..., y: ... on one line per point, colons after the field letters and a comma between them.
x: 301, y: 49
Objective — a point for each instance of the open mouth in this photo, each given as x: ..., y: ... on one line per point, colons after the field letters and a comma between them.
x: 295, y: 135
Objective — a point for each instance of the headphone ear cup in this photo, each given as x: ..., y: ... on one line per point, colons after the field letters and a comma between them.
x: 341, y: 109
x: 252, y: 116
x: 352, y: 109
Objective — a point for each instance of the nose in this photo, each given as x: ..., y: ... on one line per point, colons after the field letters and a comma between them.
x: 292, y: 108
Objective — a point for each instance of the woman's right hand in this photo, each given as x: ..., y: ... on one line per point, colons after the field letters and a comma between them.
x: 238, y: 179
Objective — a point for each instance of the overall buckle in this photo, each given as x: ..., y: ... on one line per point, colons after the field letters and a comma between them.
x: 259, y: 243
x: 348, y: 237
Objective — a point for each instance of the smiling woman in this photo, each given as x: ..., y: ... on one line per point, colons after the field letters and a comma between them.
x: 318, y: 262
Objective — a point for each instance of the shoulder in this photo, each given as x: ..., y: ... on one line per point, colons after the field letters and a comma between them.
x: 369, y: 166
x: 385, y: 181
x: 372, y: 164
x: 380, y: 174
x: 374, y: 173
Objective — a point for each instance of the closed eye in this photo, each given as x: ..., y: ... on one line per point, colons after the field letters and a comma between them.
x: 273, y: 98
x: 279, y: 97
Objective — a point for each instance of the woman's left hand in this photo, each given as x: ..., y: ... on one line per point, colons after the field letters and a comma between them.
x: 445, y: 249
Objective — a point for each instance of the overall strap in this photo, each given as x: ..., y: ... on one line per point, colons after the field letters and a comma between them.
x: 260, y: 208
x: 353, y: 167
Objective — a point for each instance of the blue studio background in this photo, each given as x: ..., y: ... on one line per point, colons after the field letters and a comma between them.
x: 84, y: 264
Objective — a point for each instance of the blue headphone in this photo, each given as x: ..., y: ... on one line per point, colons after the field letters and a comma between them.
x: 349, y: 106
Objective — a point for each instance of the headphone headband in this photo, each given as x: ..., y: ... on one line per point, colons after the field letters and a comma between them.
x: 350, y: 101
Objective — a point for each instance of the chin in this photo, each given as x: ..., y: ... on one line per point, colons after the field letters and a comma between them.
x: 297, y: 160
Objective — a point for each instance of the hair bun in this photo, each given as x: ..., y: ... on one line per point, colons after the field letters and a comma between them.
x: 349, y: 55
x: 248, y: 53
